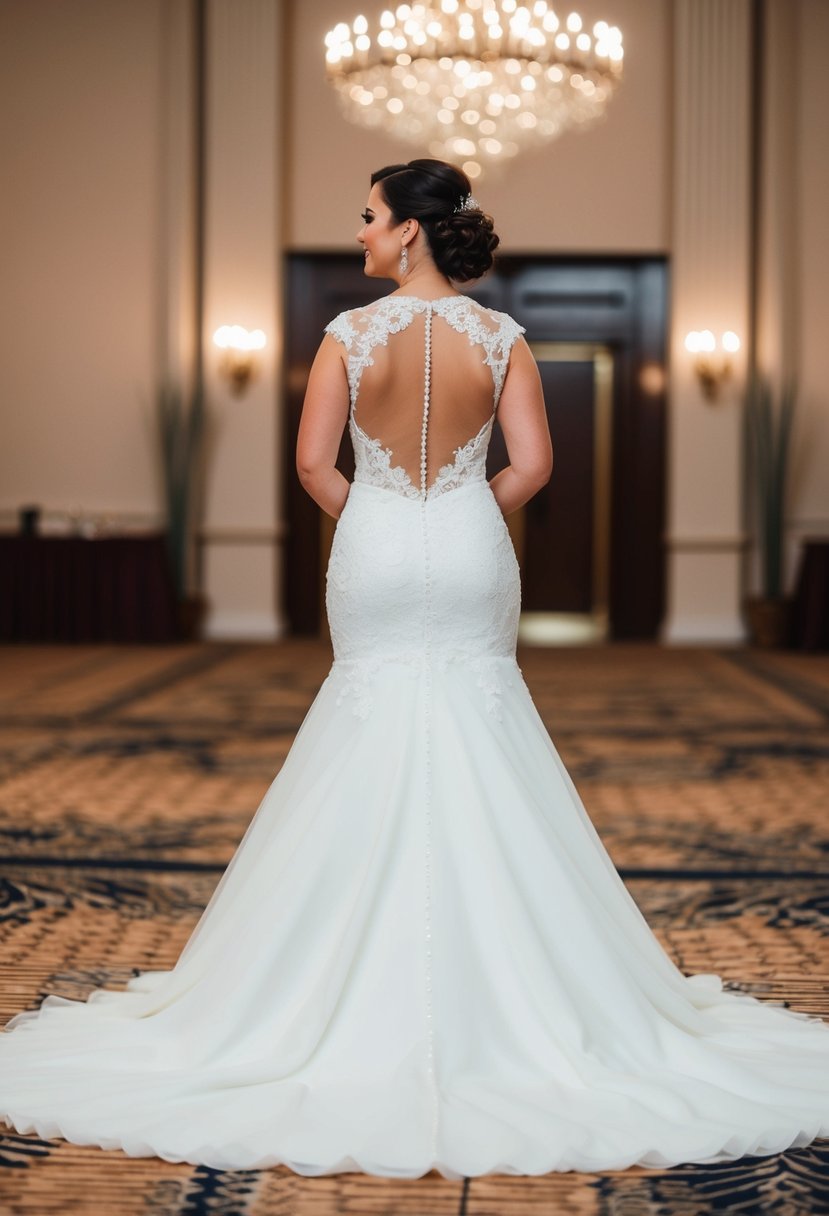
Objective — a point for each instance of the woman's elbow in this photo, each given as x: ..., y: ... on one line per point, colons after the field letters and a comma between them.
x: 539, y: 471
x: 308, y: 469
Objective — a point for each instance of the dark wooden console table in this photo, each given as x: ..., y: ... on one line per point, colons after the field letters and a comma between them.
x: 810, y: 623
x: 70, y: 589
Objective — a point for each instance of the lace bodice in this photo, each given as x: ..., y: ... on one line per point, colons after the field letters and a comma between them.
x: 364, y: 331
x: 433, y: 584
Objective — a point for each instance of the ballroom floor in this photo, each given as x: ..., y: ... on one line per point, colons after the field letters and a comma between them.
x: 128, y: 776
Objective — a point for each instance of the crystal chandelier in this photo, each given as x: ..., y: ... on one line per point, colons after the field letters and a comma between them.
x: 474, y: 81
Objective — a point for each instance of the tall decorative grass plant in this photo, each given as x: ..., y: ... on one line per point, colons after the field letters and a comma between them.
x: 181, y: 427
x: 768, y: 421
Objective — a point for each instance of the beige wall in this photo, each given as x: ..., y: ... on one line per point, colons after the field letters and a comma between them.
x: 86, y: 216
x: 602, y: 190
x: 80, y: 105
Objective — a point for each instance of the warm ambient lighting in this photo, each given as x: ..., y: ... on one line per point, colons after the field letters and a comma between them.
x: 473, y: 82
x: 712, y: 370
x: 239, y: 363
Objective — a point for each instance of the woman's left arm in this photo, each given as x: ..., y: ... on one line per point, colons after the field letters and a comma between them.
x: 324, y: 415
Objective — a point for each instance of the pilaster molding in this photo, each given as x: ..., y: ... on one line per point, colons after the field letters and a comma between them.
x: 176, y: 250
x: 243, y: 285
x: 777, y: 252
x: 711, y: 289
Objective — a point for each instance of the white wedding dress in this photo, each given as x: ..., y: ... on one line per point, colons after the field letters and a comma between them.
x: 420, y: 955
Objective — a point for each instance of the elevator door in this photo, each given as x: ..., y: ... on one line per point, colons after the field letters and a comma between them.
x: 562, y: 535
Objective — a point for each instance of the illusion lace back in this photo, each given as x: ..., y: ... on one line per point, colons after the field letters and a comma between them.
x: 425, y: 378
x: 411, y: 421
x: 420, y: 955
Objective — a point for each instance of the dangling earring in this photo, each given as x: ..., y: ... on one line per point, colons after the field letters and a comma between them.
x: 404, y: 259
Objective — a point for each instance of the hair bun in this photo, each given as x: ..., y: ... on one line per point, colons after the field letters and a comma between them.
x: 438, y: 194
x: 463, y: 244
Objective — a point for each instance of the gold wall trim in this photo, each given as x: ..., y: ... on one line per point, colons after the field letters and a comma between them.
x: 707, y: 544
x: 242, y: 536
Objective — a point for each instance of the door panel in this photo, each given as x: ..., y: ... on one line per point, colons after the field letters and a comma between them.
x: 558, y: 531
x: 562, y: 535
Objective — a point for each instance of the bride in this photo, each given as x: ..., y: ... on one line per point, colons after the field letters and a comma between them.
x: 420, y: 955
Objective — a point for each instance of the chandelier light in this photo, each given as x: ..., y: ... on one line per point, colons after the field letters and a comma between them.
x: 474, y: 81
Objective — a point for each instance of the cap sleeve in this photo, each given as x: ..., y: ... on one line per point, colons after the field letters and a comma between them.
x: 510, y: 330
x: 342, y: 329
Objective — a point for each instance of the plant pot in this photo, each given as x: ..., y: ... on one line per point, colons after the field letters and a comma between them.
x: 769, y: 620
x: 191, y: 613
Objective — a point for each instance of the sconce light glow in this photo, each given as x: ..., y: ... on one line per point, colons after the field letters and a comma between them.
x: 711, y: 373
x: 238, y: 363
x: 699, y: 341
x: 236, y: 337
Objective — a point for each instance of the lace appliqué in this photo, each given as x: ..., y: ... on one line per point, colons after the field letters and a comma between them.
x: 357, y: 677
x: 373, y: 329
x: 469, y: 463
x: 497, y: 343
x: 491, y: 678
x: 342, y: 329
x: 374, y: 466
x: 360, y: 330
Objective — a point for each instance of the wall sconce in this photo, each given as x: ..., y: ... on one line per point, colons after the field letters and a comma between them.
x: 712, y: 372
x: 238, y: 363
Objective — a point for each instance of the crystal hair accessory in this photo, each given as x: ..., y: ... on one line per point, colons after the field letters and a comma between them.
x: 468, y: 203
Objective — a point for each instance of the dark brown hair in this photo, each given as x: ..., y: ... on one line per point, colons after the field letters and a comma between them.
x: 462, y: 243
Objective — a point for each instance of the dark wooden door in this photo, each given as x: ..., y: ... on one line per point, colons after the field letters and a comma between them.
x: 557, y: 562
x: 592, y: 539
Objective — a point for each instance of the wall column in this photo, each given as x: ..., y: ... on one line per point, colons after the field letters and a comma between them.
x: 711, y: 289
x: 243, y: 285
x: 783, y: 243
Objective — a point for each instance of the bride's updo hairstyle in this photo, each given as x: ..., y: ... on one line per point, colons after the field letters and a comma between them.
x: 461, y: 242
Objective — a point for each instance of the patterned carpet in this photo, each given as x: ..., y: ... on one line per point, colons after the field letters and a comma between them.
x: 129, y: 774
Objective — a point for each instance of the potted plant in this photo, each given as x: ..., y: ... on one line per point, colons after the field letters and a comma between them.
x: 181, y: 431
x: 767, y: 435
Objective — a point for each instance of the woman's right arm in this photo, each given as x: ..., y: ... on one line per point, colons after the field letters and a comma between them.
x: 324, y: 415
x: 523, y: 417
